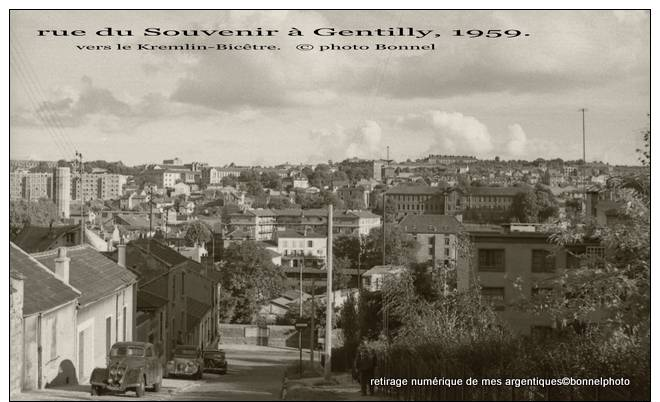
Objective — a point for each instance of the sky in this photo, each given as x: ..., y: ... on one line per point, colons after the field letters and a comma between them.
x: 516, y: 98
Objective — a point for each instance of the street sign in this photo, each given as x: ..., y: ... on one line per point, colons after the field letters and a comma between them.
x: 300, y: 325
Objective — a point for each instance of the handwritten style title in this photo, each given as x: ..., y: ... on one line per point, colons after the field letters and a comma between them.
x: 256, y: 32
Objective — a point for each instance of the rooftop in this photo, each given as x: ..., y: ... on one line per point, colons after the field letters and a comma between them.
x: 430, y: 224
x: 92, y: 273
x: 35, y: 239
x: 415, y: 190
x: 42, y: 290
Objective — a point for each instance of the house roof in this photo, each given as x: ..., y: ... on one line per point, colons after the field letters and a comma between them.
x: 135, y: 221
x: 149, y: 301
x: 159, y: 250
x: 430, y: 224
x: 289, y: 234
x: 35, y: 239
x: 195, y: 310
x: 384, y: 269
x: 92, y: 273
x: 362, y: 214
x: 294, y: 295
x: 415, y: 189
x: 42, y: 290
x: 497, y: 191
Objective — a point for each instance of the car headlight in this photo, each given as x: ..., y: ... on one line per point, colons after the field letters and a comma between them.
x: 113, y: 371
x: 121, y: 370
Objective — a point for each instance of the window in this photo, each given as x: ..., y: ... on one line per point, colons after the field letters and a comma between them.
x: 173, y: 286
x: 446, y: 241
x: 494, y: 295
x: 183, y: 281
x: 310, y: 243
x: 595, y: 256
x: 108, y: 333
x: 446, y: 252
x: 491, y: 260
x: 543, y: 261
x: 53, y: 339
x: 431, y: 240
x: 124, y: 324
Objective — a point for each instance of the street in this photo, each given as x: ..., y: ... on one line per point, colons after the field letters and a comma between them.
x: 255, y: 373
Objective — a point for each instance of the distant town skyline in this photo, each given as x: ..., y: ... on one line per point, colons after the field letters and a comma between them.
x: 515, y: 98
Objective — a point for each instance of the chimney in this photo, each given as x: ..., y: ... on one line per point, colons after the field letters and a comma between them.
x: 62, y: 265
x: 121, y: 254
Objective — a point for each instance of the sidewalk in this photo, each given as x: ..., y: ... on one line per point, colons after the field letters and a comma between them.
x: 317, y: 389
x: 170, y: 388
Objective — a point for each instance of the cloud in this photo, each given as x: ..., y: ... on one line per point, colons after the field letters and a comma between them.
x: 363, y: 141
x: 90, y: 104
x: 517, y: 144
x: 450, y: 132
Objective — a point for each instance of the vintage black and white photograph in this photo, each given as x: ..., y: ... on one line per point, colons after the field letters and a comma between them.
x: 311, y: 205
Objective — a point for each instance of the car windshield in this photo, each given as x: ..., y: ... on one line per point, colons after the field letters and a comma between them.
x: 186, y: 352
x: 127, y: 351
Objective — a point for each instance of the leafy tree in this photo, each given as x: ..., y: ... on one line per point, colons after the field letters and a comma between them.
x: 249, y: 280
x: 23, y: 213
x: 197, y: 233
x: 400, y: 247
x: 534, y: 206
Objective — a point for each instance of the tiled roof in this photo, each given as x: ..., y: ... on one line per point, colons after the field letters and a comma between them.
x: 149, y: 301
x: 159, y: 250
x: 288, y: 234
x: 363, y: 214
x: 501, y: 191
x: 42, y: 290
x: 93, y: 274
x: 383, y: 269
x: 35, y: 239
x: 195, y: 310
x: 430, y: 224
x: 414, y: 190
x: 136, y: 221
x: 288, y: 212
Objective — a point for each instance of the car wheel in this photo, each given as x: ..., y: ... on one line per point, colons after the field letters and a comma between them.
x: 157, y: 386
x: 96, y: 390
x: 199, y: 374
x: 139, y: 390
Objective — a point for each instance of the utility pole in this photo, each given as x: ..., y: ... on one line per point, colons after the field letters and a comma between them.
x: 584, y: 163
x: 328, y: 308
x: 312, y: 340
x: 79, y: 164
x: 384, y: 218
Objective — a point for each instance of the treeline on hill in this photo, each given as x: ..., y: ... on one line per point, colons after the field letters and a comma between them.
x: 112, y: 167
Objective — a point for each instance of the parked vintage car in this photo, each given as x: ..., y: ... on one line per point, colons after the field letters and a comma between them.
x: 214, y: 361
x: 130, y: 366
x: 187, y: 361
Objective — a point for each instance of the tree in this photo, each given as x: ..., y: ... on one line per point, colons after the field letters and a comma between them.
x: 23, y: 213
x: 249, y: 280
x: 400, y: 247
x: 534, y: 206
x: 197, y: 233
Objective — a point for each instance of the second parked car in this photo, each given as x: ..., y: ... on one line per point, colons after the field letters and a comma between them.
x: 215, y: 361
x: 187, y: 361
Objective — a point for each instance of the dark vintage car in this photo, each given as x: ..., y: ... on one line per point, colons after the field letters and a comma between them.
x: 214, y: 361
x: 131, y: 366
x: 187, y: 361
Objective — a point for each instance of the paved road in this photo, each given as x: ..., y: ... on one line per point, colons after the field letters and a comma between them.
x: 255, y: 373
